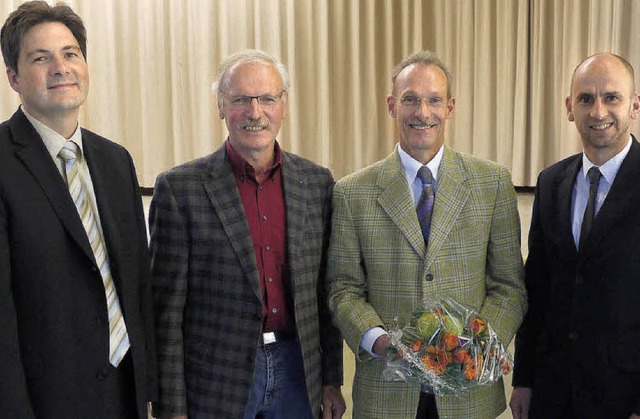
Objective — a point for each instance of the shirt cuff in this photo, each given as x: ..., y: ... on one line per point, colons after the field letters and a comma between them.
x: 369, y: 338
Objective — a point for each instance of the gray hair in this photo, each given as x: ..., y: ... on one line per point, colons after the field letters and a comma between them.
x: 245, y: 56
x: 422, y: 58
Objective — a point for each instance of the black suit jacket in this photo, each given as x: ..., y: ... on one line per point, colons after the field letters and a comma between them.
x: 579, y: 344
x: 53, y: 314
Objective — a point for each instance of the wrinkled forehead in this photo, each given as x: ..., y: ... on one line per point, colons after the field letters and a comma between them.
x: 421, y: 79
x: 256, y: 75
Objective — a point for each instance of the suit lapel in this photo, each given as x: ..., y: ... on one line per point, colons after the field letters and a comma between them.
x: 220, y: 185
x: 395, y: 199
x: 37, y: 159
x: 451, y: 196
x: 562, y: 212
x: 621, y: 199
x: 107, y: 191
x: 296, y: 196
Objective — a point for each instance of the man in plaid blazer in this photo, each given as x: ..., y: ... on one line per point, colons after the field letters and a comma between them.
x: 238, y: 243
x: 380, y: 268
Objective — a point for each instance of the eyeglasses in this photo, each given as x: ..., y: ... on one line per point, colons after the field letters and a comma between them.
x: 413, y: 102
x: 244, y: 102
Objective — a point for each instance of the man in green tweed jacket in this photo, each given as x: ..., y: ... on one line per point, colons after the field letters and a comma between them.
x: 381, y: 266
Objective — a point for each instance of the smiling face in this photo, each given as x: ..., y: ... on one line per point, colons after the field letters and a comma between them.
x: 253, y: 126
x: 52, y: 76
x: 602, y: 105
x: 421, y: 106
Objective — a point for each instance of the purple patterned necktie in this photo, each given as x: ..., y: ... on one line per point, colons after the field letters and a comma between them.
x: 425, y: 204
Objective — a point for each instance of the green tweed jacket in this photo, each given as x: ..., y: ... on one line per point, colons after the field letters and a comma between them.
x: 379, y: 270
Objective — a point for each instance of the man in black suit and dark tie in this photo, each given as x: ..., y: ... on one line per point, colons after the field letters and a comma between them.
x: 75, y: 310
x: 578, y: 350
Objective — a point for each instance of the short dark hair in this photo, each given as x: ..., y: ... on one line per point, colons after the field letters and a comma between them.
x: 422, y: 58
x: 33, y: 13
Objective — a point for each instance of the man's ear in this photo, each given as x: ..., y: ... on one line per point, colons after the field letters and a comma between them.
x: 14, y: 80
x: 635, y: 106
x: 567, y: 104
x: 451, y: 107
x: 391, y: 106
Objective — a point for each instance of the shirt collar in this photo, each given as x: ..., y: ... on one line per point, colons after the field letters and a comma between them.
x: 242, y: 169
x: 610, y: 168
x: 411, y: 165
x: 51, y: 139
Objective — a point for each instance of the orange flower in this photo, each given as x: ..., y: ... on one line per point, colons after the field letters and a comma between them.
x: 445, y: 358
x: 461, y: 356
x: 431, y: 350
x: 470, y: 372
x: 433, y: 365
x: 506, y: 368
x: 450, y: 341
x: 478, y: 326
x: 416, y: 346
x: 472, y: 367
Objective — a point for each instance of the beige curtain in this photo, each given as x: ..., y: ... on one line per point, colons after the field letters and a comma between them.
x: 152, y: 63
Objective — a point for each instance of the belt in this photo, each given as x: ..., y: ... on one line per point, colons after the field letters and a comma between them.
x: 269, y: 338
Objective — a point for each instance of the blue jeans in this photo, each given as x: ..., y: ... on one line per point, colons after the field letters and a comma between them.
x: 279, y: 390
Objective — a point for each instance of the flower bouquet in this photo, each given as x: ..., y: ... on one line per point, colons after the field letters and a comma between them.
x: 446, y: 348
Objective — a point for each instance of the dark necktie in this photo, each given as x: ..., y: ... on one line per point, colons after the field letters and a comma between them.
x: 590, y: 212
x: 425, y: 204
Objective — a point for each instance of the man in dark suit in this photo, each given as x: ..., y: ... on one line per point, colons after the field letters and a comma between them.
x: 238, y: 243
x: 578, y: 350
x: 74, y: 262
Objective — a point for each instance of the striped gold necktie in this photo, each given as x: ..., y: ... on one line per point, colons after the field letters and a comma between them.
x: 118, y: 337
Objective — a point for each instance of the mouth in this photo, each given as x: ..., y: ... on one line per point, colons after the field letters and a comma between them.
x: 60, y: 85
x: 601, y: 127
x: 421, y: 125
x: 253, y: 126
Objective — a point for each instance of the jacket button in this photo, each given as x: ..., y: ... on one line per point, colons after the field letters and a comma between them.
x: 429, y: 277
x: 574, y: 335
x: 579, y: 279
x: 103, y: 373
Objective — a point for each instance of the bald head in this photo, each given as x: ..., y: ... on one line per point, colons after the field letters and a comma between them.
x: 605, y: 61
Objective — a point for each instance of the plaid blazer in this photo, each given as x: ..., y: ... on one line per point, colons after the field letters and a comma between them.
x: 379, y: 270
x: 207, y: 290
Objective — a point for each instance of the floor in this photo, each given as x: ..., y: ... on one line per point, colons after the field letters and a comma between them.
x: 525, y: 202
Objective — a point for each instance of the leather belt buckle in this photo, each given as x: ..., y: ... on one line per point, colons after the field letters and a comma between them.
x: 268, y: 338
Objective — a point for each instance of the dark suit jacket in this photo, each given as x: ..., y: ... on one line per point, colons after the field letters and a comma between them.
x: 53, y: 315
x: 580, y: 340
x: 207, y: 289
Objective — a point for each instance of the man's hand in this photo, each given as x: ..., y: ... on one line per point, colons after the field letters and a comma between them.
x: 380, y: 345
x: 520, y: 402
x: 634, y: 416
x: 333, y: 405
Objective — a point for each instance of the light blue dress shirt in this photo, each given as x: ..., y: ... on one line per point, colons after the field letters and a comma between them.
x: 580, y: 193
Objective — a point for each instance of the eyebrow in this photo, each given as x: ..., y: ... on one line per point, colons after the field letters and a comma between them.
x: 46, y: 51
x: 608, y: 93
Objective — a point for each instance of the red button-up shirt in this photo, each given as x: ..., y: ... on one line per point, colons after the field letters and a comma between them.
x: 265, y: 210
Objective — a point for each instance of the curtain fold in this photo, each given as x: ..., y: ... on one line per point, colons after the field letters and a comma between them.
x: 152, y: 63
